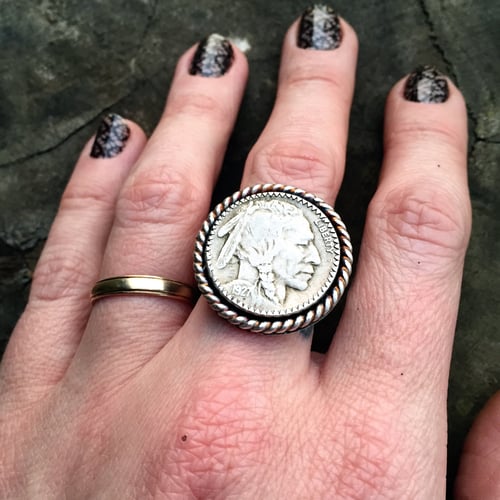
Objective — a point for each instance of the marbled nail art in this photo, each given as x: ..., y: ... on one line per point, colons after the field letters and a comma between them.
x: 213, y: 57
x: 426, y: 84
x: 111, y: 137
x: 319, y: 29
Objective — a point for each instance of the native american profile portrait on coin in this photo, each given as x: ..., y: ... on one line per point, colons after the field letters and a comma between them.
x: 272, y: 255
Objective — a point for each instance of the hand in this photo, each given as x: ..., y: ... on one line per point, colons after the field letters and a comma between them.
x: 145, y: 397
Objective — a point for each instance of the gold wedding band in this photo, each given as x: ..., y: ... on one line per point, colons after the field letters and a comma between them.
x: 143, y: 285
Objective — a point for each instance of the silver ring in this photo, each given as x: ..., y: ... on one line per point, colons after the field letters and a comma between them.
x: 273, y: 259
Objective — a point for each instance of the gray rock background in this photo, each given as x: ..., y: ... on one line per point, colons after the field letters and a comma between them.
x: 64, y: 63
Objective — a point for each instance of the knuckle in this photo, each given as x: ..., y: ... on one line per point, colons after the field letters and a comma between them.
x: 222, y: 416
x: 220, y: 434
x: 430, y: 133
x: 196, y: 105
x: 372, y: 464
x: 158, y: 195
x: 300, y: 162
x: 309, y: 75
x: 60, y: 273
x: 81, y: 196
x: 423, y: 221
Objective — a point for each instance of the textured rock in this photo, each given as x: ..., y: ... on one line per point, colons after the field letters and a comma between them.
x: 63, y: 66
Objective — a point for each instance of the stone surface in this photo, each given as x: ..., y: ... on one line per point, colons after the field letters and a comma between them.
x: 63, y: 64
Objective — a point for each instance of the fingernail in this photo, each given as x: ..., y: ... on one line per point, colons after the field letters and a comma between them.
x: 111, y: 138
x: 213, y: 57
x: 426, y: 84
x: 319, y: 29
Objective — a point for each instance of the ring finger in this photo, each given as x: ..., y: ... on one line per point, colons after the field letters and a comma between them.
x: 164, y: 200
x: 304, y: 142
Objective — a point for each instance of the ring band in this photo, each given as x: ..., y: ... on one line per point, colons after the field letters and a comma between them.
x: 143, y: 285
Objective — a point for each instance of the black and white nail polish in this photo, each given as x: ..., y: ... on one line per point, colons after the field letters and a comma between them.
x: 112, y: 135
x: 319, y: 29
x: 213, y: 57
x: 426, y: 84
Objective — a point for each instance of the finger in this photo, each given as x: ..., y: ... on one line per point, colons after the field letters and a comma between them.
x: 166, y: 197
x: 304, y: 142
x: 49, y: 331
x: 480, y: 462
x: 394, y: 341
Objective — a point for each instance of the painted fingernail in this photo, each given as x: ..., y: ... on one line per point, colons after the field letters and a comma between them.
x: 319, y: 29
x: 426, y: 84
x: 213, y: 57
x: 111, y: 138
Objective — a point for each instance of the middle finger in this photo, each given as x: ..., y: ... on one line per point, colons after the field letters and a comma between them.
x: 304, y: 141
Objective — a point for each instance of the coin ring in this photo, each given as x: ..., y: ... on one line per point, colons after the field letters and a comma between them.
x: 273, y: 259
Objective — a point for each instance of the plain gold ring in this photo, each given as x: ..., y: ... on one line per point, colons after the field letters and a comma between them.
x: 143, y: 285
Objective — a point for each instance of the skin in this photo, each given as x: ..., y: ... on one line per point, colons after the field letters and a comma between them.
x: 143, y: 397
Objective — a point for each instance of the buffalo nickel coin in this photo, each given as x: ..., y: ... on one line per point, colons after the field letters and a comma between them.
x: 268, y: 258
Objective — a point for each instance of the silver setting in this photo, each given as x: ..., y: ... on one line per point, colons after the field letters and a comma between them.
x: 273, y: 259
